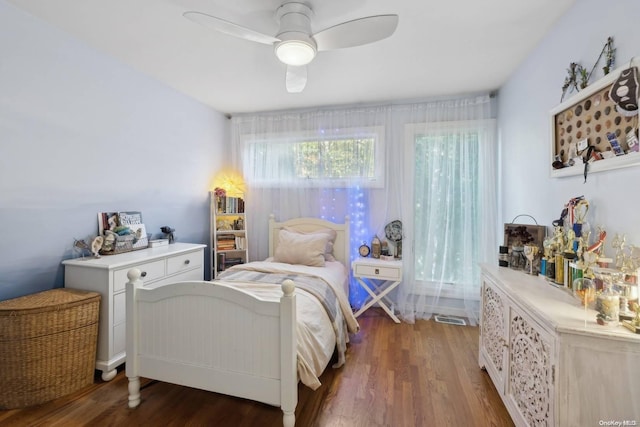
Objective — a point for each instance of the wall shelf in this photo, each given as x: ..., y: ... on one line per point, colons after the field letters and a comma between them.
x: 590, y: 114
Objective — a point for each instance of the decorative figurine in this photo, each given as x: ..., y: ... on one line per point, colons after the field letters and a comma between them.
x: 168, y: 233
x: 81, y: 246
x: 109, y: 243
x: 96, y: 245
x: 531, y: 252
x: 636, y: 320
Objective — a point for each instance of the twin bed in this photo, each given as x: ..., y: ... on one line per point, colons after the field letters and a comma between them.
x: 255, y: 330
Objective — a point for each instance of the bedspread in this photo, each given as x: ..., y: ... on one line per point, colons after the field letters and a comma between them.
x: 323, y: 312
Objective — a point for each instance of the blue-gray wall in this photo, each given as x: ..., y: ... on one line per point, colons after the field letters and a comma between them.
x: 525, y: 127
x: 81, y: 133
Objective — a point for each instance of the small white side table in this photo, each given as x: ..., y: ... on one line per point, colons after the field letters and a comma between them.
x: 388, y: 274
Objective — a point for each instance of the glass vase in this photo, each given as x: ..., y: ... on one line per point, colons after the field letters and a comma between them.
x: 584, y: 289
x: 608, y: 307
x: 608, y: 300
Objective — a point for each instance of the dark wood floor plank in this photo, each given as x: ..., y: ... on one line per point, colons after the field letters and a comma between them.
x: 422, y: 374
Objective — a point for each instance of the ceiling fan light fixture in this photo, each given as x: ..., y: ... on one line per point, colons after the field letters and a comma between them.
x: 295, y: 52
x: 295, y: 44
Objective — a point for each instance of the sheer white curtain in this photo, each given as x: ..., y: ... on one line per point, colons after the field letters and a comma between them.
x: 361, y: 161
x: 324, y: 163
x: 450, y: 159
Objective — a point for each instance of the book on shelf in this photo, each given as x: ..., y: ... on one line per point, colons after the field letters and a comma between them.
x: 231, y: 205
x: 241, y: 242
x: 107, y: 221
x: 223, y: 243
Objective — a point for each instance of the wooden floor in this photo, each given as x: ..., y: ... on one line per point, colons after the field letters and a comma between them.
x: 424, y: 374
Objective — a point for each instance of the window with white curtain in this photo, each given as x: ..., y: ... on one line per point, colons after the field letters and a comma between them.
x: 327, y: 159
x: 360, y: 161
x: 446, y: 162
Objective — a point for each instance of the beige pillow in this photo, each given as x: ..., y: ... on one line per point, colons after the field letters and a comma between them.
x: 328, y: 253
x: 303, y: 249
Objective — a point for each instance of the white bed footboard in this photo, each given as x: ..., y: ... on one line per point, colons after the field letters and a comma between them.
x: 213, y: 337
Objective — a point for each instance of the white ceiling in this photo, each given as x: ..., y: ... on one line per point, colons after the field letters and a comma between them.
x: 440, y: 48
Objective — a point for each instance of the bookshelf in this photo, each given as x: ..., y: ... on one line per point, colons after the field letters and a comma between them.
x: 228, y: 233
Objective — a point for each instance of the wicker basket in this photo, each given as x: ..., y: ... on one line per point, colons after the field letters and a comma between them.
x: 126, y: 244
x: 47, y: 345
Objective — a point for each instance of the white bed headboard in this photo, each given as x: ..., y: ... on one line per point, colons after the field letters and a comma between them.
x: 340, y: 248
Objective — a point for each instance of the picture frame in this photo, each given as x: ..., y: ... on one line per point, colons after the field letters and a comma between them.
x: 591, y: 115
x: 534, y: 234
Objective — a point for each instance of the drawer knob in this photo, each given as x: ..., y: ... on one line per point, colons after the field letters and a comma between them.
x: 143, y: 274
x: 187, y: 261
x: 377, y: 271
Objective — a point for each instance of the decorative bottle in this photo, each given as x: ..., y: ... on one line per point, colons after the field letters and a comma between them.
x: 503, y: 256
x: 376, y: 247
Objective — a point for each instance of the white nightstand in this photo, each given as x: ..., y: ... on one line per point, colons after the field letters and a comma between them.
x: 389, y: 275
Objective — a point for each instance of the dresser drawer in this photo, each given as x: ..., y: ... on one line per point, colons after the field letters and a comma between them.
x: 119, y: 338
x: 150, y: 271
x: 195, y: 274
x: 382, y: 273
x: 119, y: 308
x: 184, y: 262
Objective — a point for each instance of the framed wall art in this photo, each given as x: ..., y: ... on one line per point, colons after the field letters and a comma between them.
x: 593, y: 125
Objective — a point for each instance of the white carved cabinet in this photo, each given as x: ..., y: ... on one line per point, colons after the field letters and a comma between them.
x: 549, y: 360
x: 108, y: 276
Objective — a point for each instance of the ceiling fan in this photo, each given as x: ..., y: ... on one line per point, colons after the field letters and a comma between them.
x: 295, y: 45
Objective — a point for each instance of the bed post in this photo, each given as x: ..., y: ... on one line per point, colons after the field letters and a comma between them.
x: 289, y: 359
x: 132, y: 337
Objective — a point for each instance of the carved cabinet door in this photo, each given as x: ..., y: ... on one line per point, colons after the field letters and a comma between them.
x: 494, y: 348
x: 531, y: 372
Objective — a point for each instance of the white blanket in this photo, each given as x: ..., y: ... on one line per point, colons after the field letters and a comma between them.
x: 317, y: 335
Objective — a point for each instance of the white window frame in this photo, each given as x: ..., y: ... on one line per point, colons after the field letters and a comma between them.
x: 375, y: 132
x: 423, y: 287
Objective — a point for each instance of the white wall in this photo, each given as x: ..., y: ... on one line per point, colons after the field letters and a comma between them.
x: 82, y: 133
x: 523, y: 112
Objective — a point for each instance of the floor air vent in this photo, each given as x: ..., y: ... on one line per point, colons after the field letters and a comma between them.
x: 451, y: 320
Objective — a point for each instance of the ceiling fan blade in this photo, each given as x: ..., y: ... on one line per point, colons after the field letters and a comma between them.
x: 357, y: 32
x: 229, y: 28
x: 296, y: 78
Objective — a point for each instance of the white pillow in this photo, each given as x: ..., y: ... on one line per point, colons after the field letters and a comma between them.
x: 303, y: 249
x: 328, y: 253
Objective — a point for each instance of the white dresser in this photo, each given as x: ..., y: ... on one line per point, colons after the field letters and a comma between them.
x: 551, y: 363
x: 108, y: 276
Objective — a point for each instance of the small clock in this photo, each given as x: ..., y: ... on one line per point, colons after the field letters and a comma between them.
x: 364, y: 250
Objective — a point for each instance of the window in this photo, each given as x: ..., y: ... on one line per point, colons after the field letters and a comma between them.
x: 448, y: 183
x: 316, y: 161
